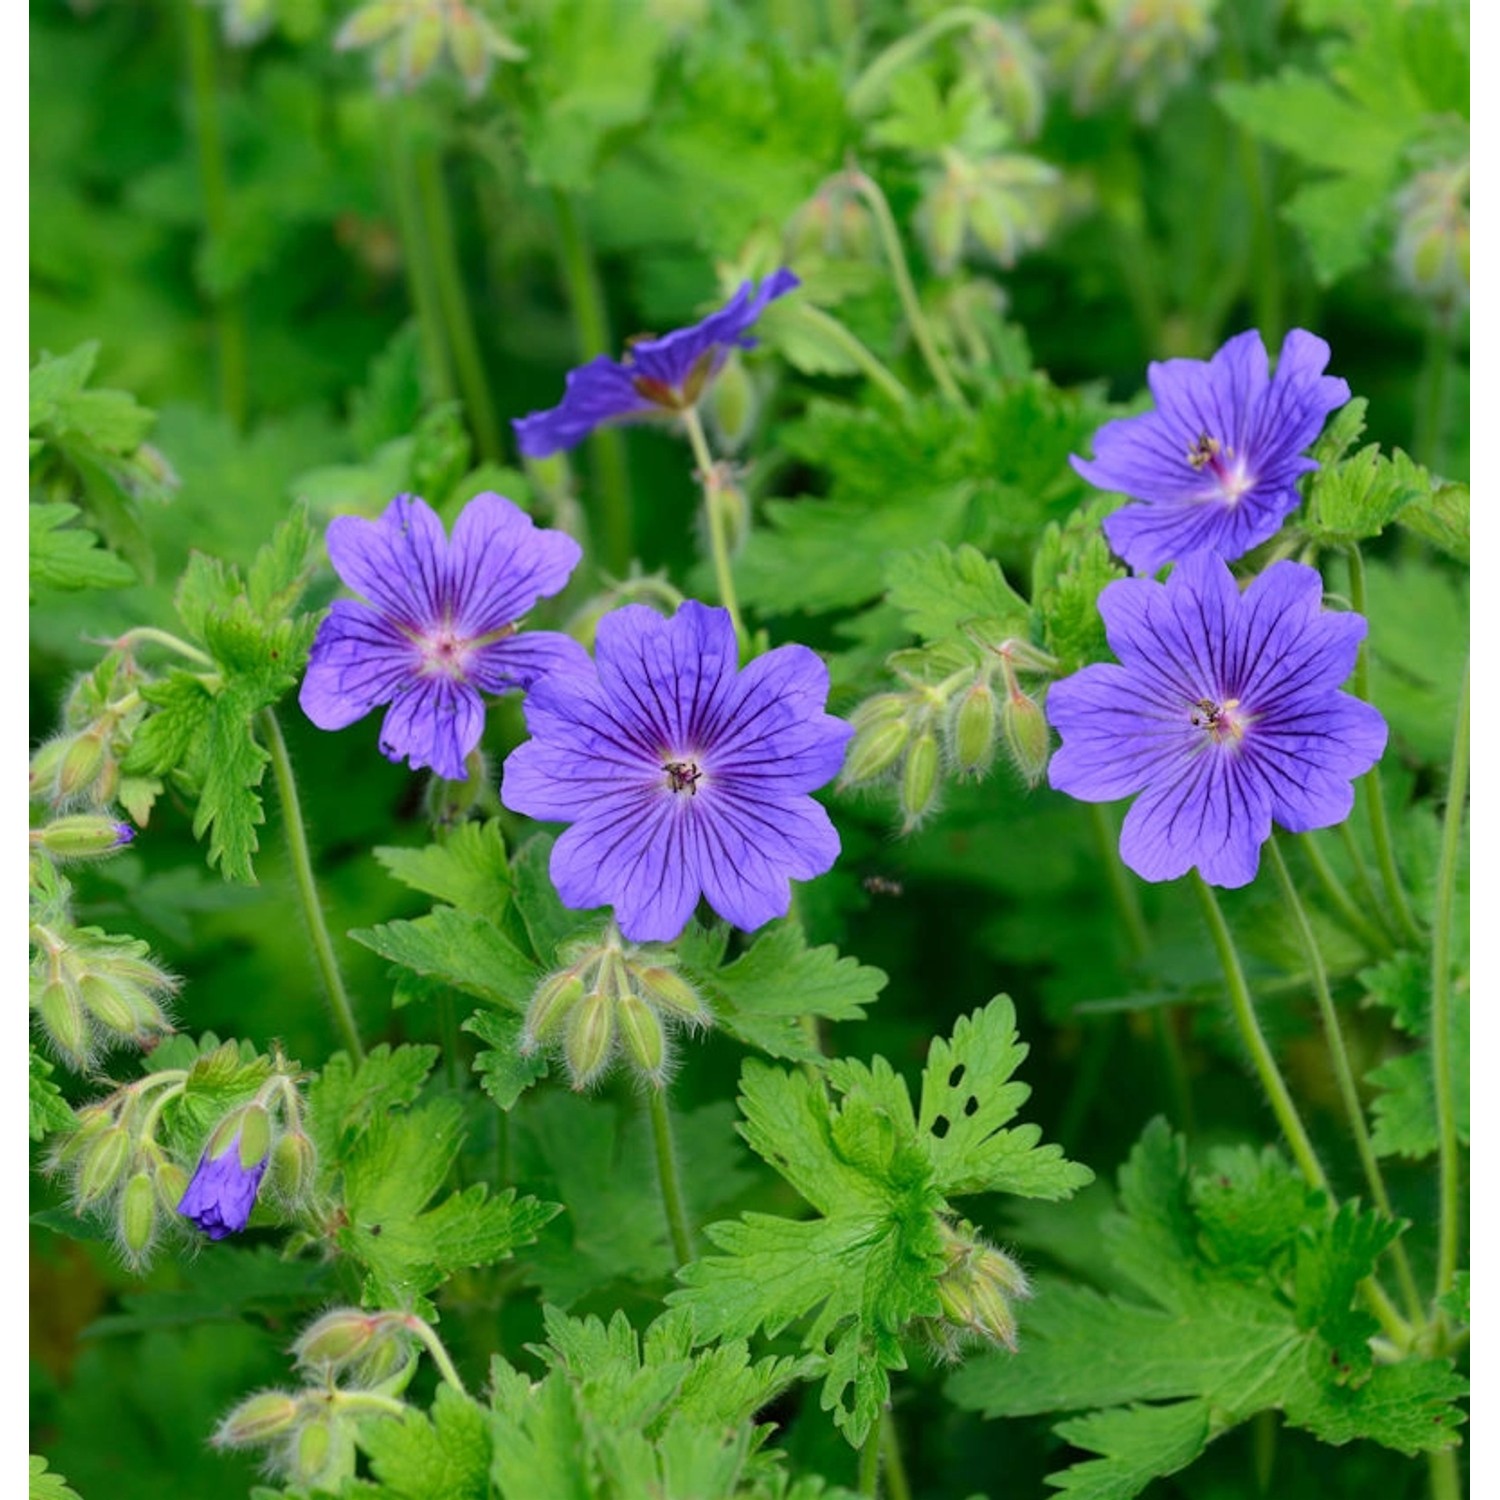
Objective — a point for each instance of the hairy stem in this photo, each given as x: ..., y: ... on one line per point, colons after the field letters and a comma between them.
x: 143, y: 634
x: 1442, y: 999
x: 307, y: 888
x: 1385, y: 854
x: 1343, y: 1073
x: 592, y: 333
x: 869, y: 88
x: 435, y: 227
x: 898, y: 1486
x: 434, y: 1346
x: 1254, y: 1039
x: 890, y: 239
x: 868, y: 1480
x: 671, y: 1182
x: 421, y: 277
x: 718, y: 537
x: 1442, y: 1475
x: 213, y: 176
x: 851, y: 344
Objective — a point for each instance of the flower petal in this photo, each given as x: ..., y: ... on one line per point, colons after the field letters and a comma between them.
x: 521, y: 660
x: 435, y: 722
x: 598, y: 392
x: 359, y: 659
x: 397, y: 562
x: 500, y: 563
x: 1115, y: 739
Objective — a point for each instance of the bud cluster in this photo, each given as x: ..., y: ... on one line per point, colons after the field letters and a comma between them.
x: 1432, y: 234
x: 1008, y: 66
x: 91, y: 992
x: 123, y: 1163
x: 354, y: 1362
x: 976, y: 1289
x: 613, y: 999
x: 408, y: 37
x: 1004, y: 204
x: 834, y: 224
x: 81, y: 766
x: 906, y: 737
x: 1143, y: 48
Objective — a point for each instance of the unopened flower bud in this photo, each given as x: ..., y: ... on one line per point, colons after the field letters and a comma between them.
x: 641, y: 1032
x: 591, y: 1035
x: 466, y: 46
x: 732, y: 403
x: 294, y: 1165
x: 555, y: 997
x: 424, y: 43
x: 919, y: 777
x: 874, y: 750
x: 83, y: 836
x: 138, y: 1214
x: 318, y: 1455
x: 108, y: 1005
x: 974, y: 730
x: 267, y: 1415
x: 81, y: 763
x: 90, y: 1123
x: 667, y: 990
x: 732, y: 505
x: 1027, y: 737
x: 338, y: 1337
x: 942, y: 219
x: 103, y: 1162
x: 61, y: 1013
x: 171, y: 1183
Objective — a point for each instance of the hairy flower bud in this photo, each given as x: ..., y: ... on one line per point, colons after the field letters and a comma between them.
x: 1027, y: 738
x: 732, y: 404
x: 171, y: 1182
x: 81, y: 763
x: 338, y: 1337
x: 919, y: 778
x: 554, y: 999
x: 641, y: 1032
x: 257, y: 1419
x: 973, y: 730
x: 874, y: 750
x: 107, y: 1004
x: 61, y: 1014
x: 83, y: 836
x: 667, y: 990
x: 102, y: 1164
x: 137, y: 1215
x: 591, y: 1036
x: 294, y: 1165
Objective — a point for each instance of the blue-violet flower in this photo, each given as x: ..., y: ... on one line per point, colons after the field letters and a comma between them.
x: 1215, y: 467
x: 680, y: 774
x: 440, y: 627
x: 222, y: 1192
x: 1224, y: 713
x: 657, y: 377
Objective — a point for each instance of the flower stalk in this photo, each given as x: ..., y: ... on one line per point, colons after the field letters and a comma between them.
x: 718, y: 533
x: 667, y: 1174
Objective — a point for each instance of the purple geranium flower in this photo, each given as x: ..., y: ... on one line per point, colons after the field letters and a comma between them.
x: 222, y: 1193
x: 1224, y: 714
x: 657, y: 376
x: 440, y: 627
x: 1215, y: 466
x: 681, y: 774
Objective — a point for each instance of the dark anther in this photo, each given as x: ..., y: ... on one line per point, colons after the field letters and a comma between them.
x: 683, y: 776
x: 1203, y: 451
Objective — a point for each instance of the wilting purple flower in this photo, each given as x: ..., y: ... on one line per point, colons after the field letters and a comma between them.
x: 222, y: 1193
x: 657, y: 376
x: 680, y: 774
x: 440, y: 627
x: 1224, y: 714
x: 1215, y: 466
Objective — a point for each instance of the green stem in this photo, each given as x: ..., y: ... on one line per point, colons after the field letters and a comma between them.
x: 1429, y: 435
x: 718, y: 536
x: 1343, y: 1073
x: 1362, y: 877
x: 1442, y: 1475
x: 868, y: 1480
x: 851, y: 344
x: 869, y: 88
x: 1385, y: 855
x: 916, y: 319
x: 1254, y: 1039
x: 592, y: 333
x: 898, y: 1486
x: 141, y: 634
x: 421, y: 277
x: 213, y: 174
x: 671, y: 1183
x: 1353, y: 918
x: 436, y: 227
x: 1442, y: 995
x: 307, y: 889
x: 434, y: 1346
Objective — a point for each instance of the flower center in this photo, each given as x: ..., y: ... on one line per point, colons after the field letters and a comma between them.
x: 1223, y: 723
x: 1209, y: 455
x: 682, y: 776
x: 445, y: 653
